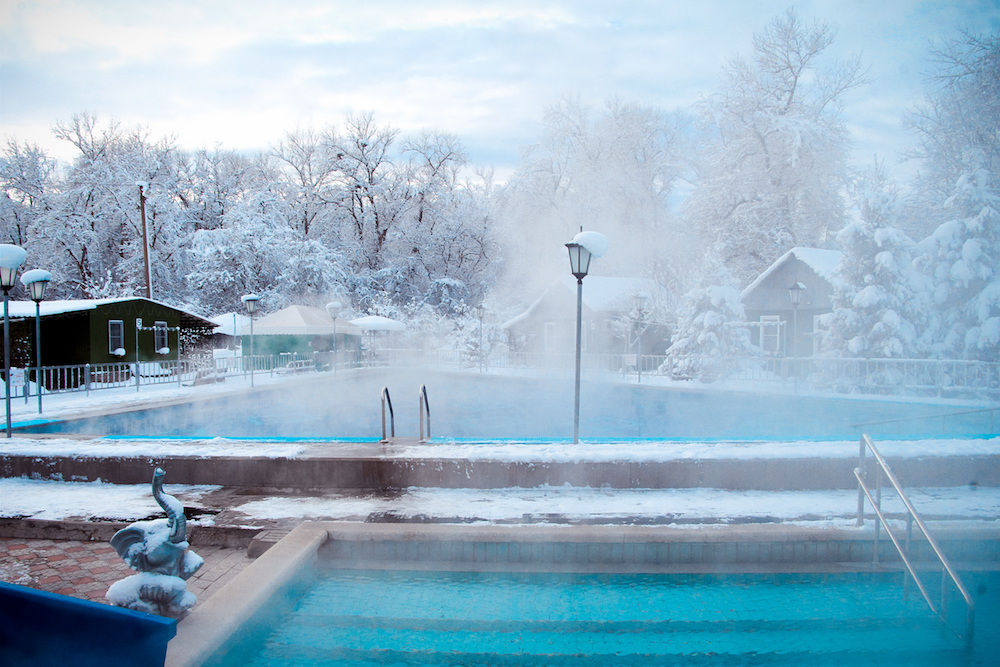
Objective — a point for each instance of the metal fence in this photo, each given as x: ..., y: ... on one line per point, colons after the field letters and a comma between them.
x: 920, y: 377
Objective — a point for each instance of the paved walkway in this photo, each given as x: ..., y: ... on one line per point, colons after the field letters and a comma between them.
x: 86, y: 569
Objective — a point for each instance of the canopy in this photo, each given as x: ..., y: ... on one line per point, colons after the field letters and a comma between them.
x: 377, y: 323
x: 300, y: 321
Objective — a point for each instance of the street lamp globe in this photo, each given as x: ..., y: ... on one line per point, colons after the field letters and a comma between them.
x: 36, y: 282
x: 250, y: 301
x: 795, y: 293
x: 11, y: 259
x: 579, y: 260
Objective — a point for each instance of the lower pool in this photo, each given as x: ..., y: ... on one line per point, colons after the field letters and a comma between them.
x: 361, y: 618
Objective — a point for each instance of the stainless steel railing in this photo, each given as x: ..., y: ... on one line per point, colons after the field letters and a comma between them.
x: 424, y: 408
x: 392, y: 419
x: 947, y: 571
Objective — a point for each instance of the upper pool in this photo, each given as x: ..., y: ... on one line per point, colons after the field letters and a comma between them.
x: 483, y: 406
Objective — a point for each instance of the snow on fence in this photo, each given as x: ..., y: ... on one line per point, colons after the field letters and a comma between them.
x: 922, y: 377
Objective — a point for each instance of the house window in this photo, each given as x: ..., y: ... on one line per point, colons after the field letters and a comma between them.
x: 770, y: 334
x: 159, y: 335
x: 550, y: 336
x: 116, y: 335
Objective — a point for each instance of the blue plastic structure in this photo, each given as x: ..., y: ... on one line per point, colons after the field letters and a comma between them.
x: 38, y: 628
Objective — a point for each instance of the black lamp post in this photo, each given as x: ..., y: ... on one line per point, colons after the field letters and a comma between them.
x: 479, y: 311
x: 640, y: 304
x: 333, y: 308
x: 250, y: 301
x: 11, y: 259
x: 795, y: 296
x: 36, y: 282
x: 579, y: 262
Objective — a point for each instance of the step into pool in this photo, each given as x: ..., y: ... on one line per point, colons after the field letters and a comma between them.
x: 362, y: 618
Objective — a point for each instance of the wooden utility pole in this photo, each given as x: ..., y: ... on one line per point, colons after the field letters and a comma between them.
x: 145, y: 240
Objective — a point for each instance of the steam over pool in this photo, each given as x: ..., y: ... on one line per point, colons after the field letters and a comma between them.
x: 492, y: 407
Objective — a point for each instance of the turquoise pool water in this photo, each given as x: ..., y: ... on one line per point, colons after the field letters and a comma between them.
x: 464, y: 406
x: 354, y: 618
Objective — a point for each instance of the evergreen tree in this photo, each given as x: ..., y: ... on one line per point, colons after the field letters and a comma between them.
x: 877, y: 307
x: 711, y: 326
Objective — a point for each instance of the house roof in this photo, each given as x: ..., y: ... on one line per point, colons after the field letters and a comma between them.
x: 299, y: 321
x: 822, y: 262
x: 26, y: 309
x: 378, y: 323
x: 600, y: 294
x: 230, y: 323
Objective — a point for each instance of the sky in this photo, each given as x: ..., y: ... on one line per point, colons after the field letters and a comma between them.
x: 239, y: 75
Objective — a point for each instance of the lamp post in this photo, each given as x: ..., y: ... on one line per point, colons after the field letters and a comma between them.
x: 795, y: 296
x: 11, y: 259
x: 250, y: 301
x: 579, y: 262
x: 640, y: 304
x: 333, y: 308
x: 37, y: 281
x: 479, y: 311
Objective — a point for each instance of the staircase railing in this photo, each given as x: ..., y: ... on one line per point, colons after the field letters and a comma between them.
x: 392, y: 418
x: 424, y: 408
x: 947, y: 571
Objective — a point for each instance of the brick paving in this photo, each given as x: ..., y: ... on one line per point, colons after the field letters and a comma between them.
x: 86, y: 569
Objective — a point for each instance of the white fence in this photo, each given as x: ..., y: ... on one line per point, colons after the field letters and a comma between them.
x: 920, y: 377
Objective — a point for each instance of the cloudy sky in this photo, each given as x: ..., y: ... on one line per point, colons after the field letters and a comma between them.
x: 241, y: 74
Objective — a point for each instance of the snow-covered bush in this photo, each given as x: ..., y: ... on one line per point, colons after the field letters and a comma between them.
x: 711, y: 326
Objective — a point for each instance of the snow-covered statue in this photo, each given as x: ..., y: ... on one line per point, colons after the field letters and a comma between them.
x: 158, y: 550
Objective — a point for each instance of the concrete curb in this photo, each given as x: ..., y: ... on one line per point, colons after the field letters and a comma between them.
x: 101, y: 531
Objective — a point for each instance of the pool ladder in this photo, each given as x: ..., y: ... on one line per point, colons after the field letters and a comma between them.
x: 423, y: 406
x: 947, y: 571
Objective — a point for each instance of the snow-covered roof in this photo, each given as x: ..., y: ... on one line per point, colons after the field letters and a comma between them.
x: 822, y: 262
x: 230, y: 323
x: 299, y: 321
x: 377, y: 323
x: 600, y: 294
x: 27, y: 308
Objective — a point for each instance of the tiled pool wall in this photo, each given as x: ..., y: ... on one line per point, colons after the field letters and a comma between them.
x: 224, y: 618
x: 733, y: 555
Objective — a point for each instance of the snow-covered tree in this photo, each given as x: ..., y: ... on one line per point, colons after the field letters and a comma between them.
x: 959, y: 149
x: 771, y: 166
x: 878, y: 305
x: 611, y: 170
x: 711, y: 326
x: 961, y: 258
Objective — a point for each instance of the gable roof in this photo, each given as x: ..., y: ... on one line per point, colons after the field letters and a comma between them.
x: 299, y: 321
x: 26, y: 309
x: 603, y: 294
x: 822, y: 262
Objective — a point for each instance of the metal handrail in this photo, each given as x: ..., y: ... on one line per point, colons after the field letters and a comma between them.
x: 392, y: 418
x: 913, y: 516
x: 424, y: 407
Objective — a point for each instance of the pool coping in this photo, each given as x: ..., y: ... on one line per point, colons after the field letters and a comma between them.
x: 217, y: 620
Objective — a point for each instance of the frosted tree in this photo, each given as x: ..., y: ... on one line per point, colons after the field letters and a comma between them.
x: 710, y: 327
x: 27, y: 181
x: 771, y: 165
x: 960, y: 153
x: 612, y: 170
x: 961, y: 258
x: 878, y: 305
x: 956, y: 125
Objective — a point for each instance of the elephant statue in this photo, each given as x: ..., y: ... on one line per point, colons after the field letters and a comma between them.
x: 158, y: 550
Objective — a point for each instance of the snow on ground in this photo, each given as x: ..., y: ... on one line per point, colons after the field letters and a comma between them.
x: 651, y: 450
x: 52, y: 500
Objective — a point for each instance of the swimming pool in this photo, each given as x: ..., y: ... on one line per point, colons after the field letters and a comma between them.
x: 470, y: 406
x: 353, y: 595
x: 359, y: 618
